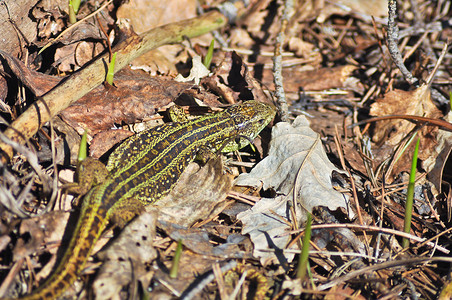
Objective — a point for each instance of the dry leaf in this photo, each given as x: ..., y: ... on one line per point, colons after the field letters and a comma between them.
x: 142, y: 19
x: 321, y: 79
x: 315, y: 79
x: 417, y: 102
x: 197, y: 72
x: 127, y: 257
x: 296, y: 161
x: 300, y: 47
x: 105, y: 140
x: 47, y: 229
x: 233, y: 82
x: 196, y: 195
x: 135, y: 97
x: 199, y: 241
x: 363, y: 9
x: 390, y: 133
x: 20, y: 26
x: 435, y: 163
x: 37, y: 82
x: 74, y: 56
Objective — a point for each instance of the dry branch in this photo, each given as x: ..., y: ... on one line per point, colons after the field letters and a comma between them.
x: 86, y: 79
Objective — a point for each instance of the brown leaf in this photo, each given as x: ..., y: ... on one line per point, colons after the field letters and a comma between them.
x: 315, y: 79
x: 105, y: 140
x: 51, y: 17
x: 142, y: 18
x: 12, y: 41
x: 198, y: 241
x: 135, y: 97
x: 233, y: 82
x: 417, y: 102
x: 365, y: 10
x: 74, y: 56
x: 437, y: 164
x: 390, y: 133
x: 318, y: 80
x: 38, y: 83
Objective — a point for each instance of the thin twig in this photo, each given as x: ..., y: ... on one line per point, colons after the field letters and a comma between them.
x: 429, y: 80
x: 393, y: 38
x: 191, y: 292
x: 277, y: 61
x: 370, y: 228
x: 385, y: 265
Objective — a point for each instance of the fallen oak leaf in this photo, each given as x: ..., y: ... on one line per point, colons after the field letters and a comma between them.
x: 296, y: 167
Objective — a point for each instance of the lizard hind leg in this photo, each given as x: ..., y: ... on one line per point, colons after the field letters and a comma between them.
x: 90, y: 172
x: 124, y: 211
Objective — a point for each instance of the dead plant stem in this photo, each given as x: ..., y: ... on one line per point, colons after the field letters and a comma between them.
x: 86, y: 79
x: 393, y: 38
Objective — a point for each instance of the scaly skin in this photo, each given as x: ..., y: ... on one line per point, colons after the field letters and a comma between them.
x: 142, y: 170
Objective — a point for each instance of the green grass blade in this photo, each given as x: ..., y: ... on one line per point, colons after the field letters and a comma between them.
x: 72, y: 13
x: 410, y: 196
x: 83, y: 150
x: 176, y: 259
x: 111, y: 70
x: 450, y: 100
x: 304, y: 256
x: 75, y: 5
x: 209, y: 55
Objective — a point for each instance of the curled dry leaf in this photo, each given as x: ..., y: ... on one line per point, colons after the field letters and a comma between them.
x: 417, y: 102
x: 436, y: 162
x: 390, y: 133
x: 197, y: 72
x: 74, y: 56
x: 233, y: 81
x: 296, y: 165
x: 37, y: 82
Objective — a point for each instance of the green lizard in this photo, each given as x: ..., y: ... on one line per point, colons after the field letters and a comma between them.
x: 141, y: 171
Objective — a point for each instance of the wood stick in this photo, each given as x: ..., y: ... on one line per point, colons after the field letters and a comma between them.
x: 86, y: 79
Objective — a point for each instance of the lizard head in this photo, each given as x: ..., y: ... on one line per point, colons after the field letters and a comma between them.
x: 249, y: 119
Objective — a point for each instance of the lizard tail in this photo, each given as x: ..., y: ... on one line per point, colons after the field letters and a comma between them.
x: 92, y: 222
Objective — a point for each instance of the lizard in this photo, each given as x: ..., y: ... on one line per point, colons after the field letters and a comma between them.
x: 142, y: 170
